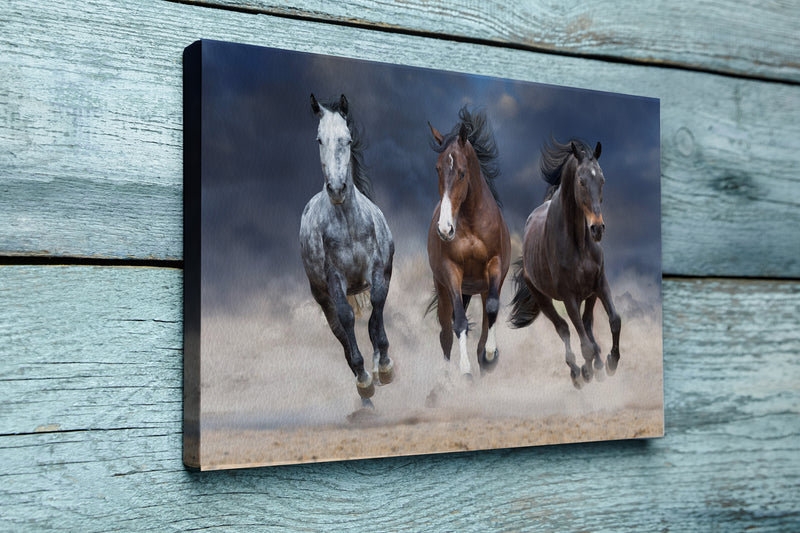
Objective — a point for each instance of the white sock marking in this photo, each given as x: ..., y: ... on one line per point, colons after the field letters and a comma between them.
x: 464, y: 361
x: 491, y: 344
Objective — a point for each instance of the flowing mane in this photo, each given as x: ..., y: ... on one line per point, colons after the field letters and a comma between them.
x: 482, y: 140
x: 360, y: 177
x: 554, y: 157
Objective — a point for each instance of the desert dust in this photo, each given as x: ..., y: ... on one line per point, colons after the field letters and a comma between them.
x: 276, y: 388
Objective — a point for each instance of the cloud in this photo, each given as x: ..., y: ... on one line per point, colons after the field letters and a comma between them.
x: 261, y: 163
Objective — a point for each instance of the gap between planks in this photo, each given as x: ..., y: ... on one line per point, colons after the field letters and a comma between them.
x: 42, y: 260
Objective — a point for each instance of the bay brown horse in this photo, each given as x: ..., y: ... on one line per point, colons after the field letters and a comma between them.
x: 469, y: 247
x: 562, y: 258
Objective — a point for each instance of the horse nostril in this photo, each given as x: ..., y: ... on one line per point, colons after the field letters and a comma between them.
x: 451, y: 232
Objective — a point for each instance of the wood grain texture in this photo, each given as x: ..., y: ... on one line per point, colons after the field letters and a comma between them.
x: 741, y: 38
x: 91, y: 132
x: 90, y: 431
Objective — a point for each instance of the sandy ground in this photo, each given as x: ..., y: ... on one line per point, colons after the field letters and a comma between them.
x: 276, y: 388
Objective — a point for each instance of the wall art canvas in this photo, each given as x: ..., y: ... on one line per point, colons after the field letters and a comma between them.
x: 383, y: 260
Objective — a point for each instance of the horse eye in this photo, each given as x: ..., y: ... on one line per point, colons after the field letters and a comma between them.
x: 319, y: 140
x: 582, y: 182
x: 461, y: 174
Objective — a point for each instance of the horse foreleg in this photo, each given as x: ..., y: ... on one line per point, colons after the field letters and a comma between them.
x: 546, y: 305
x: 487, y: 347
x: 588, y: 348
x: 455, y: 304
x: 383, y: 367
x: 345, y: 332
x: 588, y: 322
x: 615, y: 322
x: 444, y: 312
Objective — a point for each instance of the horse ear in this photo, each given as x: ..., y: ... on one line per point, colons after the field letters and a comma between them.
x: 343, y: 105
x: 597, y: 150
x: 438, y: 137
x: 575, y: 151
x: 463, y: 133
x: 315, y: 105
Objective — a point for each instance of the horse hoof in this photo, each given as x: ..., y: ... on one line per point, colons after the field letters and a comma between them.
x: 386, y: 373
x: 468, y: 377
x: 366, y: 403
x: 611, y: 363
x: 600, y: 375
x: 432, y: 400
x: 587, y: 373
x: 488, y: 363
x: 366, y: 389
x: 575, y: 374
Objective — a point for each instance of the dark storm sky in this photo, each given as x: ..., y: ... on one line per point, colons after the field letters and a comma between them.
x: 261, y: 160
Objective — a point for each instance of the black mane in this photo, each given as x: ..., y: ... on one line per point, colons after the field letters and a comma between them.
x: 554, y: 157
x: 358, y: 145
x: 481, y: 138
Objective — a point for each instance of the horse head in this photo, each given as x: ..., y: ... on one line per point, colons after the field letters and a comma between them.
x: 334, y: 138
x: 452, y: 166
x: 588, y: 188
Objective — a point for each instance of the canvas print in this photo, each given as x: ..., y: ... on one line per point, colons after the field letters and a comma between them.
x: 383, y: 260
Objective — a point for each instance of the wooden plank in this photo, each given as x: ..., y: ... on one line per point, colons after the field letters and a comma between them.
x: 90, y: 432
x: 91, y: 137
x: 741, y: 38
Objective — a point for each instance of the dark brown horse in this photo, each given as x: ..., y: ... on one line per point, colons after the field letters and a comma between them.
x: 469, y: 246
x: 562, y: 258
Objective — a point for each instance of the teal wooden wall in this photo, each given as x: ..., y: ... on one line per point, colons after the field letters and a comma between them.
x: 91, y: 280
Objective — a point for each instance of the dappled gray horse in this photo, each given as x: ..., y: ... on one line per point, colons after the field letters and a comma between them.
x: 346, y: 245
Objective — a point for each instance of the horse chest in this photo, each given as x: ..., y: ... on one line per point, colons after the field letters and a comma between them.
x: 583, y: 277
x: 348, y: 249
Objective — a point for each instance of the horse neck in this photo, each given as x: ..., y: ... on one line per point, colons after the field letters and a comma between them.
x: 571, y: 215
x: 352, y: 207
x: 477, y: 186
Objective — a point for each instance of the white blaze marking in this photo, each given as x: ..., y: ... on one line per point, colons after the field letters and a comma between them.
x: 445, y: 216
x: 451, y: 160
x: 491, y: 344
x: 464, y: 361
x: 594, y: 173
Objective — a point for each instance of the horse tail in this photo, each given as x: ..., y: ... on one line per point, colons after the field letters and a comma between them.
x: 524, y: 308
x: 433, y: 303
x: 359, y: 302
x: 433, y: 307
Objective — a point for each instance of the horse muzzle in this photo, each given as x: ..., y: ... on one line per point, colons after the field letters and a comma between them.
x: 597, y: 231
x: 448, y: 234
x: 336, y: 195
